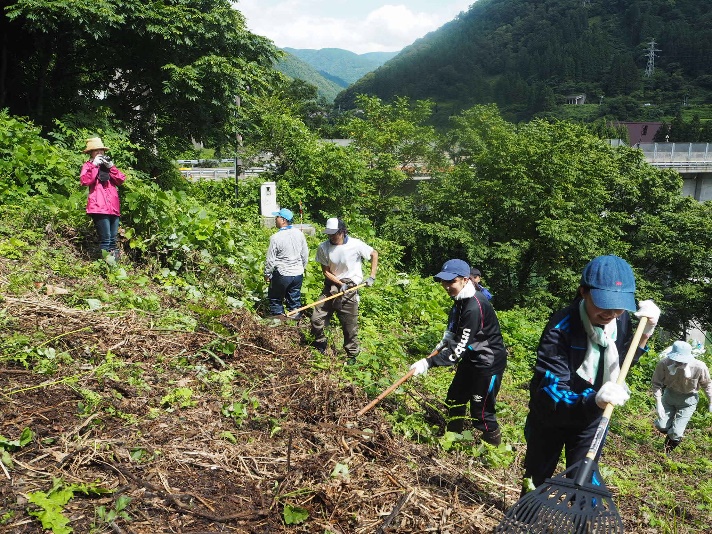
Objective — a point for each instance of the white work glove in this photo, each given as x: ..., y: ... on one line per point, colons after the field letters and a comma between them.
x: 370, y: 281
x: 659, y: 407
x: 108, y: 163
x: 421, y: 367
x: 98, y: 160
x: 611, y: 393
x: 647, y: 308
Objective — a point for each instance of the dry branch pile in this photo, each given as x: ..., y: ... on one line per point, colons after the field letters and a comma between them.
x: 196, y: 470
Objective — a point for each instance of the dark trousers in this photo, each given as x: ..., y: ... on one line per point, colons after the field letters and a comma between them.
x: 287, y: 289
x: 545, y: 443
x: 107, y: 226
x: 477, y: 387
x: 346, y: 309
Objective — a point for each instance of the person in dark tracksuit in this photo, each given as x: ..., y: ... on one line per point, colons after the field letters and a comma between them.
x: 473, y: 341
x: 578, y: 360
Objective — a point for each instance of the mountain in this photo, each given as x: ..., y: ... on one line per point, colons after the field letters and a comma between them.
x: 295, y: 68
x: 341, y: 66
x: 528, y: 56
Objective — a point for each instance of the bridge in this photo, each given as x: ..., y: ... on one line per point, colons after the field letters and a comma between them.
x: 692, y: 160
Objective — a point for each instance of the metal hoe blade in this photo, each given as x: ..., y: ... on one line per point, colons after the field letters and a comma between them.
x: 563, y: 507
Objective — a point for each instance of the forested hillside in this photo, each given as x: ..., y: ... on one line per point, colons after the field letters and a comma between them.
x: 297, y: 69
x: 341, y: 66
x: 528, y: 55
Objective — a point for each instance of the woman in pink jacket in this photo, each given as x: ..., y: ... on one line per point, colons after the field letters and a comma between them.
x: 102, y: 177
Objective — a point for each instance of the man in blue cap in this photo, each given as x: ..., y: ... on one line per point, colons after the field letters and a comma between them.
x: 473, y: 341
x: 676, y: 381
x: 287, y: 255
x: 578, y: 362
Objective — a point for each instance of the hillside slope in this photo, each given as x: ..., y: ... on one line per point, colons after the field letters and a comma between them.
x: 529, y: 55
x: 297, y: 69
x: 341, y: 66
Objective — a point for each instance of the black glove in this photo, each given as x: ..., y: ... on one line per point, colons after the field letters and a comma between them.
x: 346, y: 285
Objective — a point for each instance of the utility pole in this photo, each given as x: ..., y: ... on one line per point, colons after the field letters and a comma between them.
x: 238, y: 152
x: 651, y: 58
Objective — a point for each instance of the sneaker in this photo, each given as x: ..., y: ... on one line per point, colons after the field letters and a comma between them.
x: 296, y: 317
x: 493, y: 438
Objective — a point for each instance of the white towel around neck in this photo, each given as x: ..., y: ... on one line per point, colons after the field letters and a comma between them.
x: 598, y: 339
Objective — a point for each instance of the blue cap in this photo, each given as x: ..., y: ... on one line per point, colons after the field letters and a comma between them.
x: 284, y: 213
x: 612, y: 283
x: 452, y: 269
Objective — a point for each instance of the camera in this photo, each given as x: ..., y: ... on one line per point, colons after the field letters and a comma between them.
x: 106, y: 163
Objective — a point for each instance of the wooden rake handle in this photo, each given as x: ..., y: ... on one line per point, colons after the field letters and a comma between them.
x: 385, y: 393
x: 597, y: 442
x: 390, y: 389
x: 292, y: 312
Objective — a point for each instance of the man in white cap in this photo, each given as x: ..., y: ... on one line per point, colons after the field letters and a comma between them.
x: 676, y: 381
x: 287, y: 255
x: 340, y: 257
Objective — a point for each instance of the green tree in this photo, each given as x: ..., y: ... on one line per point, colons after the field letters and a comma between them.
x: 169, y: 70
x: 531, y: 204
x: 323, y: 176
x: 396, y: 144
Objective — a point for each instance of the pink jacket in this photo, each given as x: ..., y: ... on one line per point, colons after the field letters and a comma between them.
x: 103, y: 198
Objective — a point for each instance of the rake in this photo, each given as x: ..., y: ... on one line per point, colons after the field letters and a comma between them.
x: 577, y: 500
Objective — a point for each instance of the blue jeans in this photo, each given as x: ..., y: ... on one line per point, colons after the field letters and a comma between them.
x: 107, y: 226
x: 287, y: 289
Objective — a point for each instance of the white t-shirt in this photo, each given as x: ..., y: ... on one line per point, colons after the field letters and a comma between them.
x: 344, y: 261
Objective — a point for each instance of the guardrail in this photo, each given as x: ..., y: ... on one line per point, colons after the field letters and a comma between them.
x: 196, y: 174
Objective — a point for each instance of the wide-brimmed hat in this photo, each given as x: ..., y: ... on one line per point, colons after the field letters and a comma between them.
x: 94, y: 143
x: 612, y: 283
x: 681, y: 352
x: 452, y: 269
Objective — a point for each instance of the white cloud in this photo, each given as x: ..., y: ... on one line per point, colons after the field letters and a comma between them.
x: 356, y: 25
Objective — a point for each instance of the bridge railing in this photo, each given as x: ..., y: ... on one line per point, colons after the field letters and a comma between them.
x: 694, y: 153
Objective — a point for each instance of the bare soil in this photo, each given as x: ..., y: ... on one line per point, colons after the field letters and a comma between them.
x: 181, y: 469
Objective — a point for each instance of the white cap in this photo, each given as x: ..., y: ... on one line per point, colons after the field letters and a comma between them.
x: 332, y: 226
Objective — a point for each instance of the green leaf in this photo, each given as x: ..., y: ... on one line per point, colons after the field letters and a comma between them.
x: 94, y: 304
x: 294, y: 515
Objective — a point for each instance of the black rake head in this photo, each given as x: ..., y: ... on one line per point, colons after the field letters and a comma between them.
x: 560, y: 506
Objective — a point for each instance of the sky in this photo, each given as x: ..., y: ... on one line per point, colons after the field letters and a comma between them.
x: 357, y: 25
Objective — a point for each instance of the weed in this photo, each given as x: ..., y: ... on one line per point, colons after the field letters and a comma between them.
x: 7, y: 446
x: 117, y: 512
x: 91, y: 400
x: 239, y: 411
x: 51, y: 504
x: 178, y: 398
x: 294, y: 515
